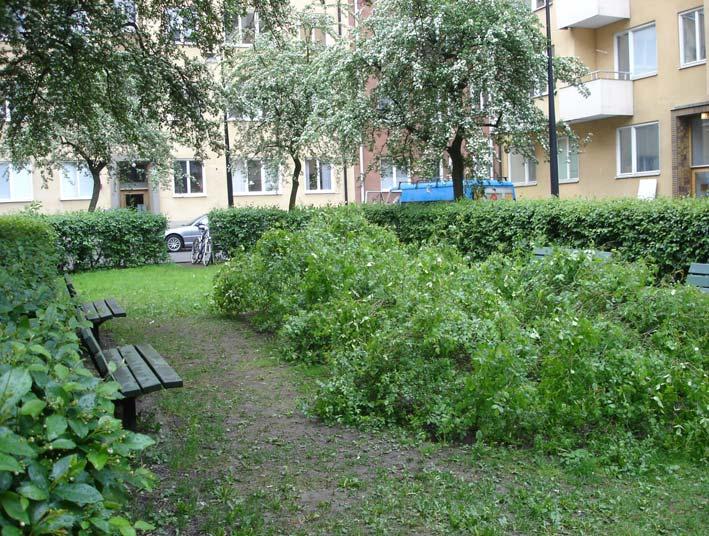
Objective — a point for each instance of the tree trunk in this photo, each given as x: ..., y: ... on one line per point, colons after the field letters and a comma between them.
x: 297, y: 168
x: 96, y: 174
x: 455, y: 151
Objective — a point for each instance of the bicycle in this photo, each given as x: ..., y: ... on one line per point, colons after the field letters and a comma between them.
x: 202, y: 250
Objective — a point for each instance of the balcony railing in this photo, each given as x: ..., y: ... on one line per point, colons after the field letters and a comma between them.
x: 610, y: 94
x: 590, y: 13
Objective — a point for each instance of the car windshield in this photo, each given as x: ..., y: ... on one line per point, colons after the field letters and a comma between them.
x: 201, y: 219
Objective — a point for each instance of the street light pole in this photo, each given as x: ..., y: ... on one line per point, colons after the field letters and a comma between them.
x: 553, y: 141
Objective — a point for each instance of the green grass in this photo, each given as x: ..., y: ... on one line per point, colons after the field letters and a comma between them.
x: 236, y: 456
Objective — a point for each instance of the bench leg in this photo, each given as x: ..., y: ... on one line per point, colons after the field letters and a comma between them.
x: 128, y: 413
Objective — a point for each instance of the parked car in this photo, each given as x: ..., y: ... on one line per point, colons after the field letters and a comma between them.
x: 179, y: 238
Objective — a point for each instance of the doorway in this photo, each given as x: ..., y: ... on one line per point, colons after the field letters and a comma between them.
x: 137, y: 200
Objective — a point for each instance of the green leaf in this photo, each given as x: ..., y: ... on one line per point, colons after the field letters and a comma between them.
x: 33, y: 407
x: 15, y: 506
x: 8, y: 463
x: 63, y: 444
x: 98, y: 458
x: 15, y: 384
x: 11, y: 531
x: 41, y: 350
x: 78, y: 493
x: 80, y: 428
x: 56, y: 426
x: 12, y: 443
x: 62, y: 466
x: 143, y: 525
x: 119, y: 522
x: 31, y: 491
x: 138, y: 441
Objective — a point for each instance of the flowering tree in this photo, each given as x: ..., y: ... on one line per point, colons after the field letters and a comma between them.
x: 446, y: 76
x: 275, y: 90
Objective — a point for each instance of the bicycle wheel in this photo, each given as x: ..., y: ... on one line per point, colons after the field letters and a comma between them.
x: 207, y: 254
x: 196, y: 250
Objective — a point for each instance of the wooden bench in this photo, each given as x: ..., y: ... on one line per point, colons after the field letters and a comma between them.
x: 140, y: 370
x: 96, y: 312
x: 540, y: 253
x: 699, y: 276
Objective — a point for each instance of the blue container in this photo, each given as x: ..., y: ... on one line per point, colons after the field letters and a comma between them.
x: 439, y: 190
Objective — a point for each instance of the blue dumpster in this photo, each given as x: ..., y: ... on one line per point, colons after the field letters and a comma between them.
x: 440, y: 190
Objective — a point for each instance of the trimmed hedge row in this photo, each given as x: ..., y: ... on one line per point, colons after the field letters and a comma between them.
x: 670, y: 233
x: 66, y: 464
x: 110, y: 239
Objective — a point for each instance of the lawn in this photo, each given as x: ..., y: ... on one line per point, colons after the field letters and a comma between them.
x: 236, y: 454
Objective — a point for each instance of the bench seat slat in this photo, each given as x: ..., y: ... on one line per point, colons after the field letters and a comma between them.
x: 123, y: 375
x: 102, y: 310
x: 117, y: 310
x: 161, y: 368
x: 90, y: 312
x: 145, y: 377
x: 701, y: 281
x: 699, y: 269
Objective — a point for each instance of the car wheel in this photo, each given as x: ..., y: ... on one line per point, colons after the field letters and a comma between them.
x: 174, y: 243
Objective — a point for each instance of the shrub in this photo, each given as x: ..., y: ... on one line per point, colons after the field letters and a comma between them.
x: 669, y: 233
x: 110, y: 239
x: 239, y: 229
x: 570, y: 352
x: 66, y: 465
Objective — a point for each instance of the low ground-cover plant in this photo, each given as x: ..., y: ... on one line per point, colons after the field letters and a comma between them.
x: 66, y: 464
x: 109, y: 239
x: 670, y: 233
x: 567, y: 353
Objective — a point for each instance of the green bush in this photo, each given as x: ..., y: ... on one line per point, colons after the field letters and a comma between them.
x: 566, y: 353
x: 110, y: 239
x: 66, y: 465
x: 239, y: 229
x: 669, y: 233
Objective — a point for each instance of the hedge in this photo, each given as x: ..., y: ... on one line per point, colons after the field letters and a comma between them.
x: 66, y: 464
x: 110, y: 239
x: 670, y: 233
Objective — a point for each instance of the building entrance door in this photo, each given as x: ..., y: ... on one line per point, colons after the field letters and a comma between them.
x: 700, y: 183
x: 136, y: 199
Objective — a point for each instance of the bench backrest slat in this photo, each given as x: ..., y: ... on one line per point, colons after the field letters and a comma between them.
x: 699, y: 269
x: 699, y: 276
x: 543, y: 252
x: 70, y: 286
x: 94, y: 349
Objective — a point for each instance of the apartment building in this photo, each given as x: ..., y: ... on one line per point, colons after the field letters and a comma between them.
x: 647, y: 115
x: 197, y: 185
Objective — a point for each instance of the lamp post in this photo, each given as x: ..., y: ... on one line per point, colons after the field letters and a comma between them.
x: 553, y: 141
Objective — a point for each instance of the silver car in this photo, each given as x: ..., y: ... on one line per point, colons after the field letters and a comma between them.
x: 179, y: 238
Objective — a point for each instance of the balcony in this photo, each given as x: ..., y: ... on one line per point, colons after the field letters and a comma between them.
x: 590, y: 13
x: 610, y: 95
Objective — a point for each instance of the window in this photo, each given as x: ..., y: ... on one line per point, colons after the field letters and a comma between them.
x: 77, y: 182
x: 133, y: 173
x: 522, y: 170
x: 636, y: 52
x: 318, y: 176
x: 189, y: 177
x: 638, y: 150
x: 5, y: 111
x: 393, y: 174
x: 692, y: 43
x: 538, y: 4
x: 255, y: 177
x: 243, y: 29
x: 127, y: 9
x: 179, y: 28
x: 15, y: 183
x: 568, y: 161
x: 700, y: 141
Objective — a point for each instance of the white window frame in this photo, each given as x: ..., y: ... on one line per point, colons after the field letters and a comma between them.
x: 395, y: 175
x: 699, y: 61
x: 570, y: 180
x: 527, y: 162
x: 244, y: 162
x: 534, y: 4
x: 631, y: 51
x: 13, y: 171
x: 319, y: 189
x: 189, y: 193
x: 74, y: 196
x: 634, y: 152
x: 238, y: 32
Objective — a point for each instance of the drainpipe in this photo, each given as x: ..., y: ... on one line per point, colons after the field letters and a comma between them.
x: 362, y: 175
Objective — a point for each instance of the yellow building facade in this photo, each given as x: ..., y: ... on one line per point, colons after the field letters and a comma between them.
x: 647, y: 115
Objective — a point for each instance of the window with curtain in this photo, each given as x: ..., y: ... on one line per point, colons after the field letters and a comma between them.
x: 252, y: 176
x: 77, y: 182
x: 392, y: 174
x: 636, y: 51
x: 638, y: 149
x: 318, y: 175
x: 692, y: 41
x: 568, y: 159
x: 189, y: 177
x: 15, y: 183
x: 522, y: 170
